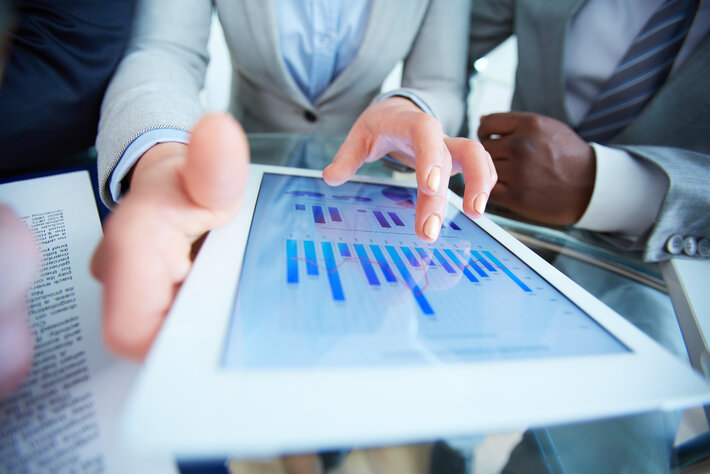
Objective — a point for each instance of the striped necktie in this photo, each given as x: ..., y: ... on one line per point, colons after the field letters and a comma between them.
x: 640, y: 73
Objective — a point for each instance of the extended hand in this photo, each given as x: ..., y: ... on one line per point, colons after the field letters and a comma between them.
x: 397, y: 127
x: 177, y: 194
x: 545, y: 170
x: 19, y: 261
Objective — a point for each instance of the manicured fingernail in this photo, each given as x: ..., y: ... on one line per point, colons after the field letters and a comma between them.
x: 479, y: 204
x: 434, y: 178
x: 432, y: 226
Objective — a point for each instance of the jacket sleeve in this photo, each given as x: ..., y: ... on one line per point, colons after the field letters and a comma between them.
x: 685, y: 210
x: 435, y: 68
x: 157, y: 83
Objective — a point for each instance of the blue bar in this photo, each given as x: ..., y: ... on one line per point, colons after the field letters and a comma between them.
x: 382, y: 262
x: 395, y: 218
x: 472, y: 263
x: 344, y: 250
x: 381, y: 219
x: 463, y: 267
x: 366, y: 265
x: 318, y: 214
x: 443, y: 261
x: 425, y: 256
x: 335, y: 287
x: 416, y: 291
x: 311, y: 260
x: 361, y: 210
x: 334, y: 214
x: 479, y: 258
x: 300, y: 207
x: 507, y: 271
x: 454, y: 226
x: 291, y: 261
x: 410, y: 256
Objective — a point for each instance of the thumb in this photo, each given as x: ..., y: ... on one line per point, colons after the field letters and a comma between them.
x: 217, y: 162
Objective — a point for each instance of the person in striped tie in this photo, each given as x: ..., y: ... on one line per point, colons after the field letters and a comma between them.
x: 610, y: 120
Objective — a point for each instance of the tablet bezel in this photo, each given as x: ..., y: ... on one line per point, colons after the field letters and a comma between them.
x: 186, y: 404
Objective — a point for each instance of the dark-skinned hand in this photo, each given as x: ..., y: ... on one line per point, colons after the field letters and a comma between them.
x: 545, y: 170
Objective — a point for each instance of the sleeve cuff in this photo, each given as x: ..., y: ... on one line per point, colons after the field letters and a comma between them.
x: 628, y: 194
x: 136, y: 149
x: 411, y: 96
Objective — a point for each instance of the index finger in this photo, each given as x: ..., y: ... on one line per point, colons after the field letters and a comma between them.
x: 433, y: 169
x: 352, y: 154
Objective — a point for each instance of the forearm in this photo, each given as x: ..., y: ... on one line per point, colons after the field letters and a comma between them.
x: 157, y: 83
x: 435, y: 69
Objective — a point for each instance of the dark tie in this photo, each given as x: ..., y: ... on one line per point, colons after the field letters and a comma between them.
x: 640, y: 73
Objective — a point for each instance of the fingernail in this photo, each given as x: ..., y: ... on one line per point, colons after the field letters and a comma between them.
x: 479, y: 204
x: 432, y: 226
x: 434, y: 178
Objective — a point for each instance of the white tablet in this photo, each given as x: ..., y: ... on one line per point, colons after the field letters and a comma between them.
x: 317, y: 320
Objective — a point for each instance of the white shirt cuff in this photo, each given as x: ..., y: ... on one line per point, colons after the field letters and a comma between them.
x: 628, y: 193
x: 411, y: 96
x: 136, y: 149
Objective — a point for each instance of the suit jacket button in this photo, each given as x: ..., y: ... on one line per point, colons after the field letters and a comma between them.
x: 310, y: 116
x: 674, y: 244
x: 704, y: 248
x: 690, y: 245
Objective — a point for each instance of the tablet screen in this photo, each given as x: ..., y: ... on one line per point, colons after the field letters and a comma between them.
x: 336, y: 277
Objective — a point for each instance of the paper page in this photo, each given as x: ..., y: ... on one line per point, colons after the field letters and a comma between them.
x: 63, y: 418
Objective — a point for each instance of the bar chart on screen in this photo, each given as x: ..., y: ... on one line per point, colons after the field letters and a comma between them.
x: 387, y: 256
x: 328, y: 271
x: 411, y: 267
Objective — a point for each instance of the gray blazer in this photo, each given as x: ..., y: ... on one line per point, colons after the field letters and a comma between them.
x: 673, y: 130
x: 157, y: 82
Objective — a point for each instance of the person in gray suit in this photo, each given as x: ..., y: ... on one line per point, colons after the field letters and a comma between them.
x: 637, y: 170
x: 303, y: 67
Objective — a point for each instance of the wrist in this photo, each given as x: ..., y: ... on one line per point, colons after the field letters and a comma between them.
x: 156, y: 153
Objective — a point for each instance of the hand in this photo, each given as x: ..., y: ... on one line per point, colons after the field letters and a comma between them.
x: 19, y: 262
x: 178, y: 192
x: 546, y: 171
x: 397, y: 127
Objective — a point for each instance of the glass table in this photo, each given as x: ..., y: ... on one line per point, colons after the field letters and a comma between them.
x: 634, y: 289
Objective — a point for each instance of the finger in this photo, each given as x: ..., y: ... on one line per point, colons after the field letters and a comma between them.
x: 498, y: 124
x: 16, y: 346
x: 478, y: 171
x: 354, y: 151
x: 19, y: 257
x: 216, y: 168
x: 433, y: 170
x: 19, y: 262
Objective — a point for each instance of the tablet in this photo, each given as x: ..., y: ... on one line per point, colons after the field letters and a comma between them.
x: 317, y: 320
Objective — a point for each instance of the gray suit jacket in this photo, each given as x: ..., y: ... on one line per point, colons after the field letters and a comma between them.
x: 672, y: 131
x: 157, y: 83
